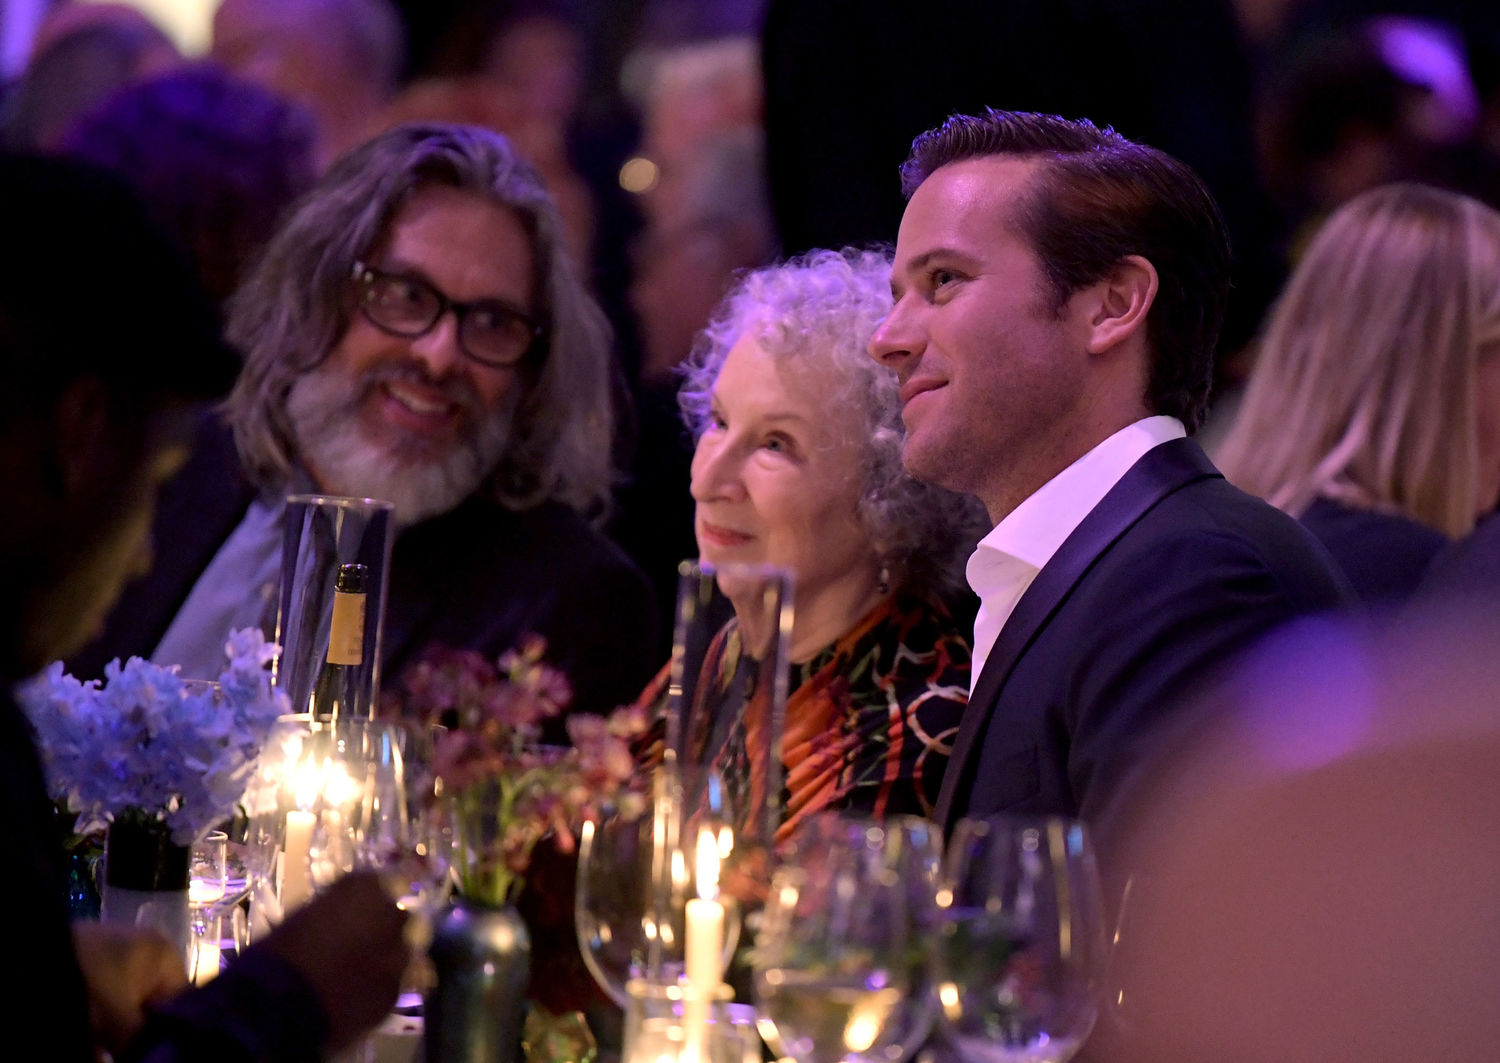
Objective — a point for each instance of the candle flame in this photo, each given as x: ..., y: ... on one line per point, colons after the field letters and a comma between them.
x: 306, y: 783
x: 708, y: 865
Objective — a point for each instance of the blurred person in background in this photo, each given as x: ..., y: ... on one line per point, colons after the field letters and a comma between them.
x: 216, y: 158
x: 1373, y: 410
x: 1354, y: 105
x: 686, y: 94
x: 341, y: 59
x: 715, y: 223
x: 699, y: 188
x: 685, y: 260
x: 525, y: 83
x: 82, y: 53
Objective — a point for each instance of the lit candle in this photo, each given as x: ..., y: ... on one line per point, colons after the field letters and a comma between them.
x: 296, y: 885
x: 206, y: 961
x: 704, y: 949
x: 296, y: 850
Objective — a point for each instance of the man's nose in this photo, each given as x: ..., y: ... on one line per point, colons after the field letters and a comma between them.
x: 895, y: 339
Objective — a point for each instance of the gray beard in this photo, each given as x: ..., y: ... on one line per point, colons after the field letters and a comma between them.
x: 323, y: 407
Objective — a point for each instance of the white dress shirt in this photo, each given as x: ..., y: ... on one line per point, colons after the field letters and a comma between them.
x: 1009, y: 557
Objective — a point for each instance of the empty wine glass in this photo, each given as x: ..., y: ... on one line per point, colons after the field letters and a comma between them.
x: 410, y: 836
x: 842, y: 965
x: 1021, y: 942
x: 636, y: 874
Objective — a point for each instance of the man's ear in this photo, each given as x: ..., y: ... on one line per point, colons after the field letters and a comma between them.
x: 86, y: 444
x: 1125, y: 298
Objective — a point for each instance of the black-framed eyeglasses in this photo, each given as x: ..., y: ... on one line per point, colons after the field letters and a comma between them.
x: 490, y: 331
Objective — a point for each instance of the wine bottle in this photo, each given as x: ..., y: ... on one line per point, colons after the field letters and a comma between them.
x: 337, y: 691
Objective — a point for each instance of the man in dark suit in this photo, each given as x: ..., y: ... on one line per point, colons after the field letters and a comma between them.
x: 1059, y: 291
x: 415, y: 332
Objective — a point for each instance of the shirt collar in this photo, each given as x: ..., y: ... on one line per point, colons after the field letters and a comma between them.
x: 1035, y: 530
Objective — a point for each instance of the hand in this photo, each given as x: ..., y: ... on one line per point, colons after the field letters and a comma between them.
x: 348, y: 942
x: 126, y: 969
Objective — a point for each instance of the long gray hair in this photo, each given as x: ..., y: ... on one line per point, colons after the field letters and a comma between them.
x: 295, y: 306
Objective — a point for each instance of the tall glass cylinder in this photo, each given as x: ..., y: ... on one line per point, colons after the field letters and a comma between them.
x: 727, y: 690
x: 335, y: 568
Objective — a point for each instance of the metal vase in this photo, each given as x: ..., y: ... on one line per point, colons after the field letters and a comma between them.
x: 477, y: 1008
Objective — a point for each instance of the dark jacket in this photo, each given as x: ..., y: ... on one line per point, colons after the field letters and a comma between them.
x: 1384, y: 555
x: 478, y: 577
x: 1173, y: 572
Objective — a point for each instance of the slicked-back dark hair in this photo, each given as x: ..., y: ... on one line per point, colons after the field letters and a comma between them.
x: 1097, y: 199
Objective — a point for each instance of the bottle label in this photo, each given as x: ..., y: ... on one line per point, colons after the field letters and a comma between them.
x: 346, y: 639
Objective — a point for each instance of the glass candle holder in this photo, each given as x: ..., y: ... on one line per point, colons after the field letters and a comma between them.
x: 658, y: 1026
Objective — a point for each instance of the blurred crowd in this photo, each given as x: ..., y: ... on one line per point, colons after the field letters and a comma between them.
x: 683, y: 141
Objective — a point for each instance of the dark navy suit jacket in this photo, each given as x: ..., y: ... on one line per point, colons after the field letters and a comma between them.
x: 478, y: 577
x: 1173, y: 572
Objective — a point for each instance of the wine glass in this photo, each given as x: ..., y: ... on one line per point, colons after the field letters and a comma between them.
x: 207, y: 886
x: 1021, y: 942
x: 842, y: 966
x: 208, y: 869
x: 636, y: 874
x: 407, y: 836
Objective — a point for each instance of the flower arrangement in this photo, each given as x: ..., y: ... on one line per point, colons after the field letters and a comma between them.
x: 506, y: 791
x: 148, y: 747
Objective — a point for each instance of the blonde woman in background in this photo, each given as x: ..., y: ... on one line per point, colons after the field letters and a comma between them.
x: 1373, y: 411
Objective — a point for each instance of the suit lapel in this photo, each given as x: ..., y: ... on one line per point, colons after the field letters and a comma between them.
x: 1159, y: 472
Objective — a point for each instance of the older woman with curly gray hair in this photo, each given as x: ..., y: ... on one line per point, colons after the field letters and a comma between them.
x: 798, y: 464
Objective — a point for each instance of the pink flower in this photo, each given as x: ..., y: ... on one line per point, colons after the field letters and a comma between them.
x: 488, y: 760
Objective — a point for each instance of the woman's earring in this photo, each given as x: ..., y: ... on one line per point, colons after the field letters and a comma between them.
x: 885, y: 579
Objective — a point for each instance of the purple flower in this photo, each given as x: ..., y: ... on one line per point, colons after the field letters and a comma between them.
x: 146, y: 742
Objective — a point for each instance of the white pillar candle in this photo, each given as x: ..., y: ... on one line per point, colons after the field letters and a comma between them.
x: 704, y: 950
x: 296, y: 885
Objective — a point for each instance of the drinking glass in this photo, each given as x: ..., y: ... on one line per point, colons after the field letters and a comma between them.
x: 1021, y: 942
x: 636, y: 874
x: 412, y: 842
x: 656, y: 1027
x: 208, y: 869
x: 843, y: 965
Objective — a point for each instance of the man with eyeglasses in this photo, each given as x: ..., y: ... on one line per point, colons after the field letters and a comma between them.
x: 415, y: 332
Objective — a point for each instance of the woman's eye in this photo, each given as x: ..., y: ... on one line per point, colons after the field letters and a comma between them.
x: 942, y: 277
